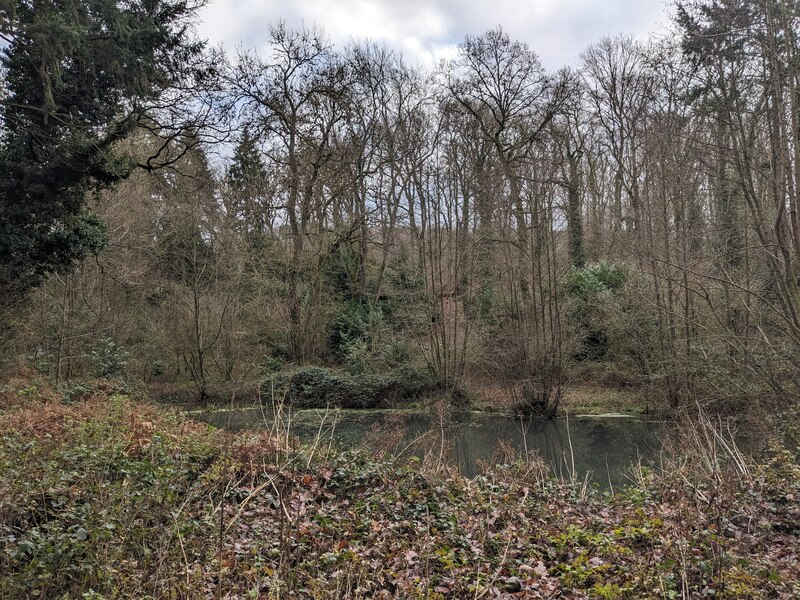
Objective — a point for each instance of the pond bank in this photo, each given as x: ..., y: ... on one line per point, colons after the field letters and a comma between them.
x: 114, y: 497
x: 586, y: 398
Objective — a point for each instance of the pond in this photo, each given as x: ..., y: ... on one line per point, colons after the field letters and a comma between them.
x: 602, y: 447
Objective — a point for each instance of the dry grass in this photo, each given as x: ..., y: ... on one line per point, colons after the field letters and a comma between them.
x: 590, y: 399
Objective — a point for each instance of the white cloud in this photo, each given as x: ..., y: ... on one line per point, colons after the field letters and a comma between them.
x: 426, y: 31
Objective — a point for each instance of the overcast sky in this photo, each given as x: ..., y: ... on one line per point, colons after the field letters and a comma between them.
x: 428, y: 30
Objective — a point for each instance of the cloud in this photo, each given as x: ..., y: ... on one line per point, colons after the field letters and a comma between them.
x: 426, y: 31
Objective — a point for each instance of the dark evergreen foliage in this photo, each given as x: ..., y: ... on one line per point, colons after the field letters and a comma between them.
x: 78, y: 77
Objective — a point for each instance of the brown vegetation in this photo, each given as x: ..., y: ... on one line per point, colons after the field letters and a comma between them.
x: 632, y: 222
x: 122, y: 499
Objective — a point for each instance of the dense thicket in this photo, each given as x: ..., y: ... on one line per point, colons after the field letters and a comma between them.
x: 498, y: 226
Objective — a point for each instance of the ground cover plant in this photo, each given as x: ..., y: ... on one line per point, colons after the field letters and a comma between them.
x: 109, y: 496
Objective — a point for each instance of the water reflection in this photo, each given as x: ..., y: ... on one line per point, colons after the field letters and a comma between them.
x: 604, y: 448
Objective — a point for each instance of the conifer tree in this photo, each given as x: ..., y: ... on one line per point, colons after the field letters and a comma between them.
x: 78, y: 76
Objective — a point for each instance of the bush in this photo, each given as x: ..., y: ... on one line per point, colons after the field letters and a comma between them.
x: 587, y: 282
x: 593, y: 299
x: 40, y: 361
x: 108, y: 359
x: 272, y: 364
x: 396, y: 353
x: 315, y: 387
x: 356, y: 356
x: 357, y: 322
x: 74, y: 391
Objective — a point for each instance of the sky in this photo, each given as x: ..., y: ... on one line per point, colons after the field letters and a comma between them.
x: 426, y: 31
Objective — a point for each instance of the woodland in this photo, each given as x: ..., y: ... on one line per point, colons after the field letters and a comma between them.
x: 201, y: 219
x: 329, y: 226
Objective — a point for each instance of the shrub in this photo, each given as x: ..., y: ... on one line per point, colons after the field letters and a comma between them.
x: 73, y: 391
x: 272, y: 364
x: 108, y: 359
x: 100, y: 480
x: 39, y: 360
x: 356, y: 322
x: 593, y: 299
x: 356, y: 356
x: 315, y: 387
x: 588, y: 281
x: 396, y: 353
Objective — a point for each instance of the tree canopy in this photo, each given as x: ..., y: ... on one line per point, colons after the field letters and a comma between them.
x: 78, y: 77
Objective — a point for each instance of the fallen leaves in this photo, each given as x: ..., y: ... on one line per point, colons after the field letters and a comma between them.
x: 258, y: 517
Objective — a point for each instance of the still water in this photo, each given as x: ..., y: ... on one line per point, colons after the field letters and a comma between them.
x: 602, y: 447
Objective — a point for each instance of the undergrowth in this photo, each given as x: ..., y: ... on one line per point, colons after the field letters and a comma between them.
x: 107, y: 496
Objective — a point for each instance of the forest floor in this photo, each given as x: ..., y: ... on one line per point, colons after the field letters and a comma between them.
x: 109, y: 496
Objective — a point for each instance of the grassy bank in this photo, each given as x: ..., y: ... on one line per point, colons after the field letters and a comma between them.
x: 112, y: 497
